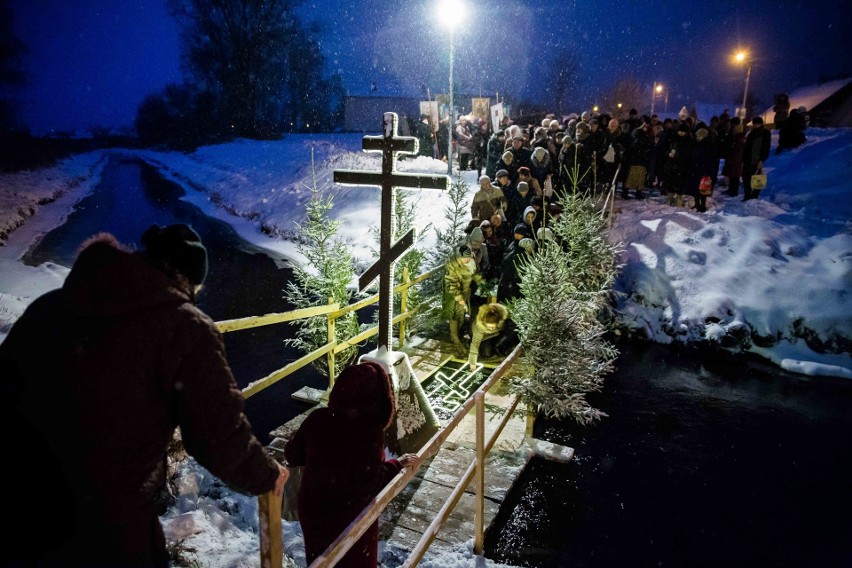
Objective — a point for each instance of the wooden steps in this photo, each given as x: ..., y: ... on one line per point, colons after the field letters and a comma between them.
x: 413, y: 510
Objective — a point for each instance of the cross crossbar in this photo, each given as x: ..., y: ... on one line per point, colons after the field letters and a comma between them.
x: 396, y: 251
x: 390, y: 145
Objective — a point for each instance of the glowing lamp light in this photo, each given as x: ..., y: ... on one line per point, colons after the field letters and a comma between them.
x: 619, y: 105
x: 740, y: 56
x: 451, y: 13
x: 595, y: 108
x: 659, y: 88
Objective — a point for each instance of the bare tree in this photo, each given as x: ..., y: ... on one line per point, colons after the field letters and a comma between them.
x: 561, y: 86
x: 255, y: 56
x: 11, y: 73
x: 628, y: 93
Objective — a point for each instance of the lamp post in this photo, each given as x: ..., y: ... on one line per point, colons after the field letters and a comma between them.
x: 742, y: 57
x: 451, y: 12
x: 656, y: 90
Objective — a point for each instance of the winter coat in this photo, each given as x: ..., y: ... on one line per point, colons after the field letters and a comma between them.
x: 734, y: 158
x: 508, y: 287
x: 757, y: 145
x: 638, y: 148
x: 516, y: 206
x: 523, y: 157
x: 96, y: 377
x: 426, y: 138
x: 703, y: 164
x: 486, y: 202
x: 342, y: 450
x: 481, y: 332
x: 476, y: 242
x: 677, y: 169
x: 464, y: 138
x: 791, y: 134
x: 494, y: 152
x: 457, y: 286
x: 540, y: 168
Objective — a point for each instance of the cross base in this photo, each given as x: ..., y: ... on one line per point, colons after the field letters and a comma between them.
x: 415, y: 422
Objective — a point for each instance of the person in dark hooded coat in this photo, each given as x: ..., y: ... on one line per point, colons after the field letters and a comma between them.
x: 342, y: 448
x: 97, y: 375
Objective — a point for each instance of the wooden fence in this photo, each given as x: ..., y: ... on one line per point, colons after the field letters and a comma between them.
x: 271, y: 548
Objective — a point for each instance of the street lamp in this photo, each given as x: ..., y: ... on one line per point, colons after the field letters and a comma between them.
x: 656, y: 90
x: 742, y: 57
x: 451, y: 13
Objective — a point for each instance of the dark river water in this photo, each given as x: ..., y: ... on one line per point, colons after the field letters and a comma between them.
x: 243, y: 279
x: 700, y: 462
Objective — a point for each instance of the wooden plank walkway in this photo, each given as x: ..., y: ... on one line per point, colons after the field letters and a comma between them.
x: 410, y: 514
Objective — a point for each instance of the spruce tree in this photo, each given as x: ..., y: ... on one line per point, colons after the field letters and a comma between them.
x: 326, y: 274
x: 405, y: 213
x: 565, y: 287
x: 447, y: 240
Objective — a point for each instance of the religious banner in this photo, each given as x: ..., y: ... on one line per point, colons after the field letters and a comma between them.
x: 430, y: 109
x: 480, y: 107
x: 496, y: 116
x: 443, y: 102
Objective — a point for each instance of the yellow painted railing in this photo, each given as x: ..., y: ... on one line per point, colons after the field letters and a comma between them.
x: 333, y: 311
x: 271, y: 549
x: 269, y: 506
x: 337, y: 549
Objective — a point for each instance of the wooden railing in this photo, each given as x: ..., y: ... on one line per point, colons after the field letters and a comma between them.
x: 333, y: 311
x: 269, y: 506
x: 271, y: 548
x: 337, y: 549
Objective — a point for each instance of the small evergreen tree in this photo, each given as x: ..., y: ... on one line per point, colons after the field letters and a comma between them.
x: 564, y: 290
x: 405, y: 213
x: 447, y: 240
x: 326, y: 274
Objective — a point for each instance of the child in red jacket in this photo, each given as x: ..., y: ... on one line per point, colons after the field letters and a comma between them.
x: 342, y: 448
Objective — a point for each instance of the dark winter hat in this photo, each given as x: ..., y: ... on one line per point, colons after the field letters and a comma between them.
x: 524, y: 170
x: 757, y: 120
x: 537, y: 200
x: 522, y: 229
x: 176, y: 248
x: 501, y: 173
x: 684, y: 127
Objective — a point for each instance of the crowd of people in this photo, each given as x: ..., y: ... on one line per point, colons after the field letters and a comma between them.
x: 680, y: 158
x: 523, y: 171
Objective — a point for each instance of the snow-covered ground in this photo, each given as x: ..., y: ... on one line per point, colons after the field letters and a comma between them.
x: 771, y: 276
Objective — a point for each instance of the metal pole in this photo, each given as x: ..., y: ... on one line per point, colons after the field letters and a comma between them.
x: 450, y: 121
x: 653, y: 96
x: 745, y: 91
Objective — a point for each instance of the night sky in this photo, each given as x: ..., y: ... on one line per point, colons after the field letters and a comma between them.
x: 91, y: 62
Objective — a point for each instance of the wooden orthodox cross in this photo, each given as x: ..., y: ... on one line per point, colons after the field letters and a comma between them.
x: 390, y: 145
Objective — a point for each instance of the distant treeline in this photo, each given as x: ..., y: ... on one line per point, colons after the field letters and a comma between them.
x: 21, y: 151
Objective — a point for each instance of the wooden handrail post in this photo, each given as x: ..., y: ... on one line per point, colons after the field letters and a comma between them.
x: 479, y: 519
x: 403, y: 305
x: 332, y: 335
x: 269, y: 516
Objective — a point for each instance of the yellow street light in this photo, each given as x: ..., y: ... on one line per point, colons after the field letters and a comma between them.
x: 742, y: 57
x: 618, y: 105
x: 595, y: 108
x: 656, y: 90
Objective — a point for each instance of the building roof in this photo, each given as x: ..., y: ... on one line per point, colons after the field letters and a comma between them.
x: 809, y: 96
